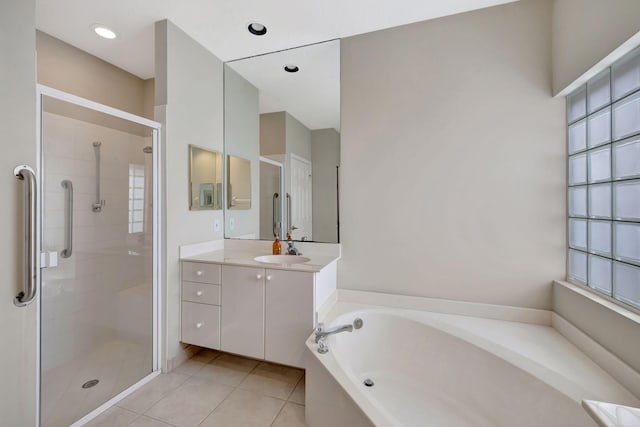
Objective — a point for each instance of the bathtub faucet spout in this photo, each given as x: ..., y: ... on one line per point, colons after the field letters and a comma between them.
x: 322, y: 333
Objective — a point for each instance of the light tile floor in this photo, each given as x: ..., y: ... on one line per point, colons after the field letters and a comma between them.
x: 214, y: 389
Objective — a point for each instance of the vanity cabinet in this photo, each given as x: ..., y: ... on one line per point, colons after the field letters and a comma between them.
x: 201, y: 304
x: 255, y: 312
x: 267, y: 314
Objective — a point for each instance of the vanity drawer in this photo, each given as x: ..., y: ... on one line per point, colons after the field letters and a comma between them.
x: 201, y: 325
x: 201, y: 292
x: 201, y: 272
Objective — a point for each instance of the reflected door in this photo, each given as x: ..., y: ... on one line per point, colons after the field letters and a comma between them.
x: 301, y: 210
x: 97, y: 328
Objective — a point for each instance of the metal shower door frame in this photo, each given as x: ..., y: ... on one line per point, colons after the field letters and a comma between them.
x: 41, y: 92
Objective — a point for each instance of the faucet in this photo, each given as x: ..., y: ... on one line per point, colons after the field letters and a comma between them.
x: 322, y: 333
x: 292, y: 250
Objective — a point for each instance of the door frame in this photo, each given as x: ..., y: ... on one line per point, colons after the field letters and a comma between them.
x: 41, y: 92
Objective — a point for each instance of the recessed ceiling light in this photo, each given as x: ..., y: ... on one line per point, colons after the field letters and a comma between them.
x: 104, y: 32
x: 291, y: 68
x: 257, y: 29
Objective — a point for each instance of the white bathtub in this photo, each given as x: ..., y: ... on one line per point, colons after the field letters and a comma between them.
x: 434, y: 369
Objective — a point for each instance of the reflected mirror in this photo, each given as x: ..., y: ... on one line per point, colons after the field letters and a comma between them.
x: 286, y: 125
x: 205, y: 179
x: 238, y: 183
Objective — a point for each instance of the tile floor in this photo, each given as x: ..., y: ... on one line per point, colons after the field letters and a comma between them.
x: 214, y: 389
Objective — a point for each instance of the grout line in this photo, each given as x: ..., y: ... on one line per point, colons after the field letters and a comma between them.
x: 278, y: 414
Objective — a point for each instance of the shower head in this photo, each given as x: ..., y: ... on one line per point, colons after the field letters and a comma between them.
x: 97, y: 143
x: 147, y: 149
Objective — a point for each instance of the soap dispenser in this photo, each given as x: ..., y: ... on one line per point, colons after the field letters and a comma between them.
x: 277, y: 247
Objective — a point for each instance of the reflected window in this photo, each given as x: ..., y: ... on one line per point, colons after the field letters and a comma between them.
x: 136, y: 198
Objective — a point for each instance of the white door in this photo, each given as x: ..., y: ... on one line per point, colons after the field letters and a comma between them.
x: 300, y: 208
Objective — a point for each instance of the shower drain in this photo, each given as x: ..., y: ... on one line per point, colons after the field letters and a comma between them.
x: 90, y: 383
x: 368, y: 382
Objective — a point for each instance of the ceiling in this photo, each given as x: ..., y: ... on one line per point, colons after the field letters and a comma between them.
x: 221, y: 25
x: 311, y: 95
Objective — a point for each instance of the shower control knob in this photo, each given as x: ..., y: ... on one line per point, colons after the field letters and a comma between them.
x: 258, y: 276
x: 198, y: 325
x: 199, y: 273
x: 199, y: 293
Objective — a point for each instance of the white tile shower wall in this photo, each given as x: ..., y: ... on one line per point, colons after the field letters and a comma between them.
x: 97, y: 293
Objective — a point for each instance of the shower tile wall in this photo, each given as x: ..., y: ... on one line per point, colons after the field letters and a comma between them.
x: 94, y: 296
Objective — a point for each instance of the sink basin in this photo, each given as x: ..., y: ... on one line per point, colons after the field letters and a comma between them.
x: 282, y: 259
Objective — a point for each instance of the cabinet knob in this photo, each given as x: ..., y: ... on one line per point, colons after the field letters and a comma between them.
x: 199, y: 273
x: 268, y: 277
x: 258, y: 276
x: 198, y: 325
x: 199, y: 293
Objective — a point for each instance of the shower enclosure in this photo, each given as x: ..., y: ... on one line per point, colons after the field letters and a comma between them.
x: 98, y: 238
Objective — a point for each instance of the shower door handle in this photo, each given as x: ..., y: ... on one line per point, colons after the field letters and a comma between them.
x: 275, y: 209
x: 68, y: 224
x: 29, y: 275
x: 289, y: 227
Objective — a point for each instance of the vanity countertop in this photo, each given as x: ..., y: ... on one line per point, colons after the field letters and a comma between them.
x: 245, y: 258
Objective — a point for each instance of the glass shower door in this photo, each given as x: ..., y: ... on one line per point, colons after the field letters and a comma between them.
x: 97, y: 327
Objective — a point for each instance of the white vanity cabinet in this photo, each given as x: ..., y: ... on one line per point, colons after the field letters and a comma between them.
x: 257, y: 312
x: 266, y: 314
x: 201, y: 304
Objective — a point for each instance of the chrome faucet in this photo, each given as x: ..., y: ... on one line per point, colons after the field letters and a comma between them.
x: 292, y: 250
x: 322, y: 333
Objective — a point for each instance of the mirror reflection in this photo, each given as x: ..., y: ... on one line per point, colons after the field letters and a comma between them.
x: 205, y: 179
x: 287, y: 124
x: 238, y: 183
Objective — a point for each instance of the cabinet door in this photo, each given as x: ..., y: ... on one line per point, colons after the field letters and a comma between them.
x: 289, y: 317
x: 242, y: 326
x: 201, y: 324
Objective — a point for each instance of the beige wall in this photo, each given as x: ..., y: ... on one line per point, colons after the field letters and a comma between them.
x: 325, y: 156
x: 189, y: 105
x: 67, y: 68
x: 453, y: 159
x: 298, y: 137
x: 17, y: 127
x: 272, y: 133
x: 585, y: 31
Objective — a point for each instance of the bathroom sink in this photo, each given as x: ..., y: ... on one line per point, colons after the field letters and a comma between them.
x: 282, y: 259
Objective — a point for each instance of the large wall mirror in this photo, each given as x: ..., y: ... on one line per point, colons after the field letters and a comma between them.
x: 205, y: 179
x: 282, y: 116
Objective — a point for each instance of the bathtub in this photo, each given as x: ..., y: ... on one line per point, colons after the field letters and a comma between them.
x: 439, y: 369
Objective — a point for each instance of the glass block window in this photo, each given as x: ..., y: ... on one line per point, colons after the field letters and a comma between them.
x: 136, y: 198
x: 603, y: 197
